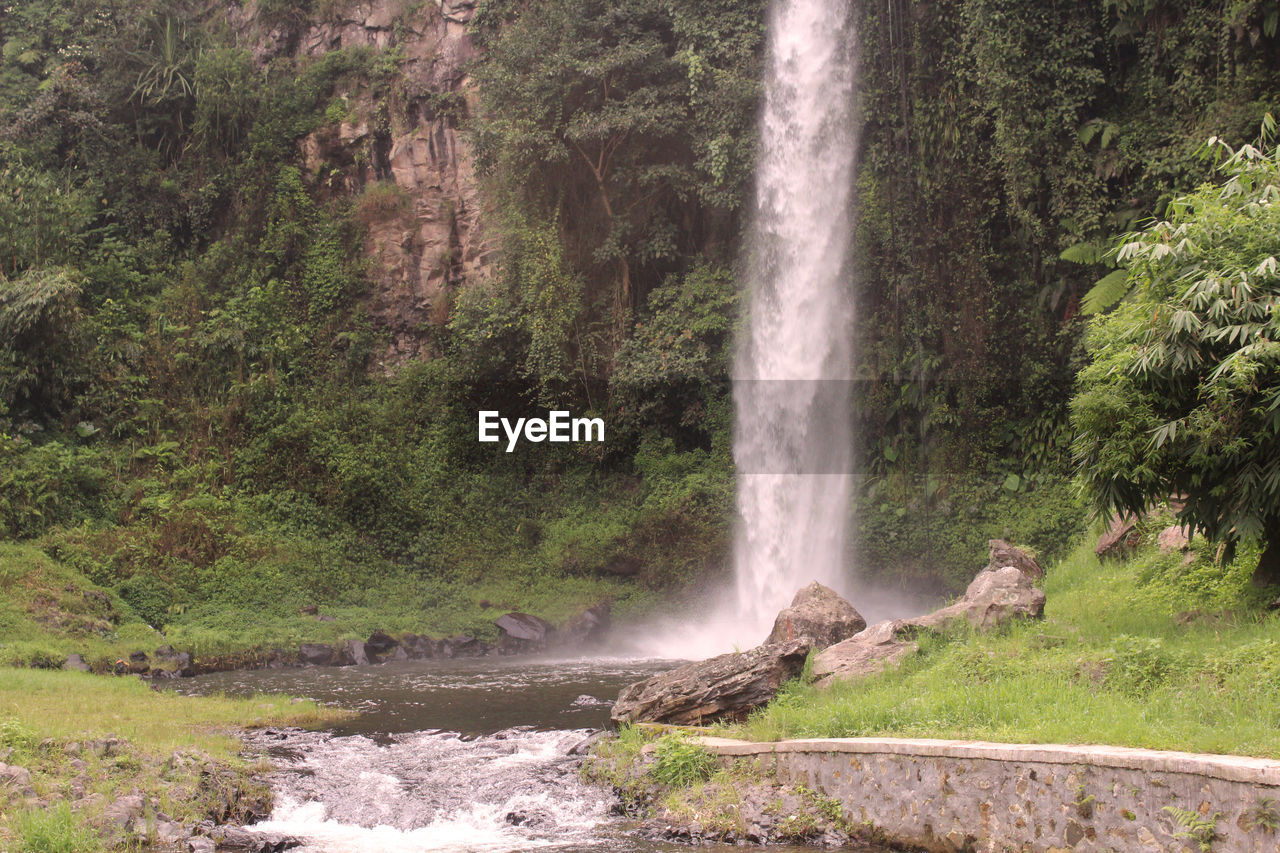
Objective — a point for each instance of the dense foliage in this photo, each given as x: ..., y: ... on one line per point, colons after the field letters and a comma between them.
x: 1183, y: 395
x: 193, y: 412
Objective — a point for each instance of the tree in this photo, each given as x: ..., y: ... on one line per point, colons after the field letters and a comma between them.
x: 1183, y: 394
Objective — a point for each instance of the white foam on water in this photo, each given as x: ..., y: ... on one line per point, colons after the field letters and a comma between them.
x: 434, y: 791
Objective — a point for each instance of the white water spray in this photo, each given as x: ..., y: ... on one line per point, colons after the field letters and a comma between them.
x: 793, y: 433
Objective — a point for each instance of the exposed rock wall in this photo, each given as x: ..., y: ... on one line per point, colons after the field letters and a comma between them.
x: 400, y: 152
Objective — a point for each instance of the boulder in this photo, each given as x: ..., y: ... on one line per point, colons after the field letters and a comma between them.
x: 420, y: 648
x: 994, y: 597
x: 724, y: 687
x: 315, y: 654
x: 235, y: 838
x: 380, y: 642
x: 75, y: 662
x: 1173, y: 538
x: 464, y: 646
x: 358, y: 652
x: 589, y: 626
x: 1120, y: 538
x: 817, y: 612
x: 523, y: 627
x: 866, y: 653
x: 1003, y: 554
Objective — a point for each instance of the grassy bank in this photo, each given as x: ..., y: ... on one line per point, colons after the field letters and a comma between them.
x: 1165, y: 651
x: 87, y: 741
x: 48, y: 610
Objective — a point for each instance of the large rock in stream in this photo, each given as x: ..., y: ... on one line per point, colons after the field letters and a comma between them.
x: 817, y: 612
x: 728, y: 686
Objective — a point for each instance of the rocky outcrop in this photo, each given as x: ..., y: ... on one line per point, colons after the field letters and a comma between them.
x: 994, y: 597
x: 724, y: 687
x: 1003, y: 554
x: 76, y: 662
x: 819, y: 613
x: 866, y: 653
x: 401, y: 157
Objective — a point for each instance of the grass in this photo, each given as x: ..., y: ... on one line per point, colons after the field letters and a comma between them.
x: 55, y: 829
x: 87, y: 740
x: 64, y: 705
x: 1152, y: 652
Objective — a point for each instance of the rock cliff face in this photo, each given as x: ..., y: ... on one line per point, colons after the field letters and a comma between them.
x: 398, y: 151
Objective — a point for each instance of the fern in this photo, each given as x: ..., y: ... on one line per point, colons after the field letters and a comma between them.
x: 1202, y: 830
x: 1106, y: 292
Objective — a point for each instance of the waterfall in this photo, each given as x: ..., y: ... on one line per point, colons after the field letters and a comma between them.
x: 793, y: 433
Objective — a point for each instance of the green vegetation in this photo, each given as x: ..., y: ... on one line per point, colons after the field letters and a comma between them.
x: 678, y: 762
x: 1163, y: 651
x: 1183, y: 395
x: 54, y: 830
x: 669, y: 776
x: 118, y: 738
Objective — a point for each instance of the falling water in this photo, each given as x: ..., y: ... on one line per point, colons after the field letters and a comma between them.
x: 793, y: 432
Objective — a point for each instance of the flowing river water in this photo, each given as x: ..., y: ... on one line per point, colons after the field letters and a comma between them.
x: 461, y: 755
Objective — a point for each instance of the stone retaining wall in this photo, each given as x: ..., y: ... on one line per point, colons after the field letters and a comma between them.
x: 967, y: 796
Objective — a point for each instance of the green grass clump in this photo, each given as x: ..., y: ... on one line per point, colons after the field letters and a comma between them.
x: 55, y: 829
x: 1156, y: 652
x: 679, y: 762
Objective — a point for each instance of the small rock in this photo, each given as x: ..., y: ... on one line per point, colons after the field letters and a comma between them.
x: 12, y: 776
x: 125, y: 810
x: 197, y: 844
x: 1120, y: 539
x: 727, y: 686
x: 358, y: 652
x: 75, y: 662
x: 1003, y: 554
x: 523, y: 627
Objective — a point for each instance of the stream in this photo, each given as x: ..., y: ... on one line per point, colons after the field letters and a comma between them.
x: 454, y: 755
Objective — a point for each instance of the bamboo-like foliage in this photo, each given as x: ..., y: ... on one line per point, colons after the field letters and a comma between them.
x: 1183, y: 396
